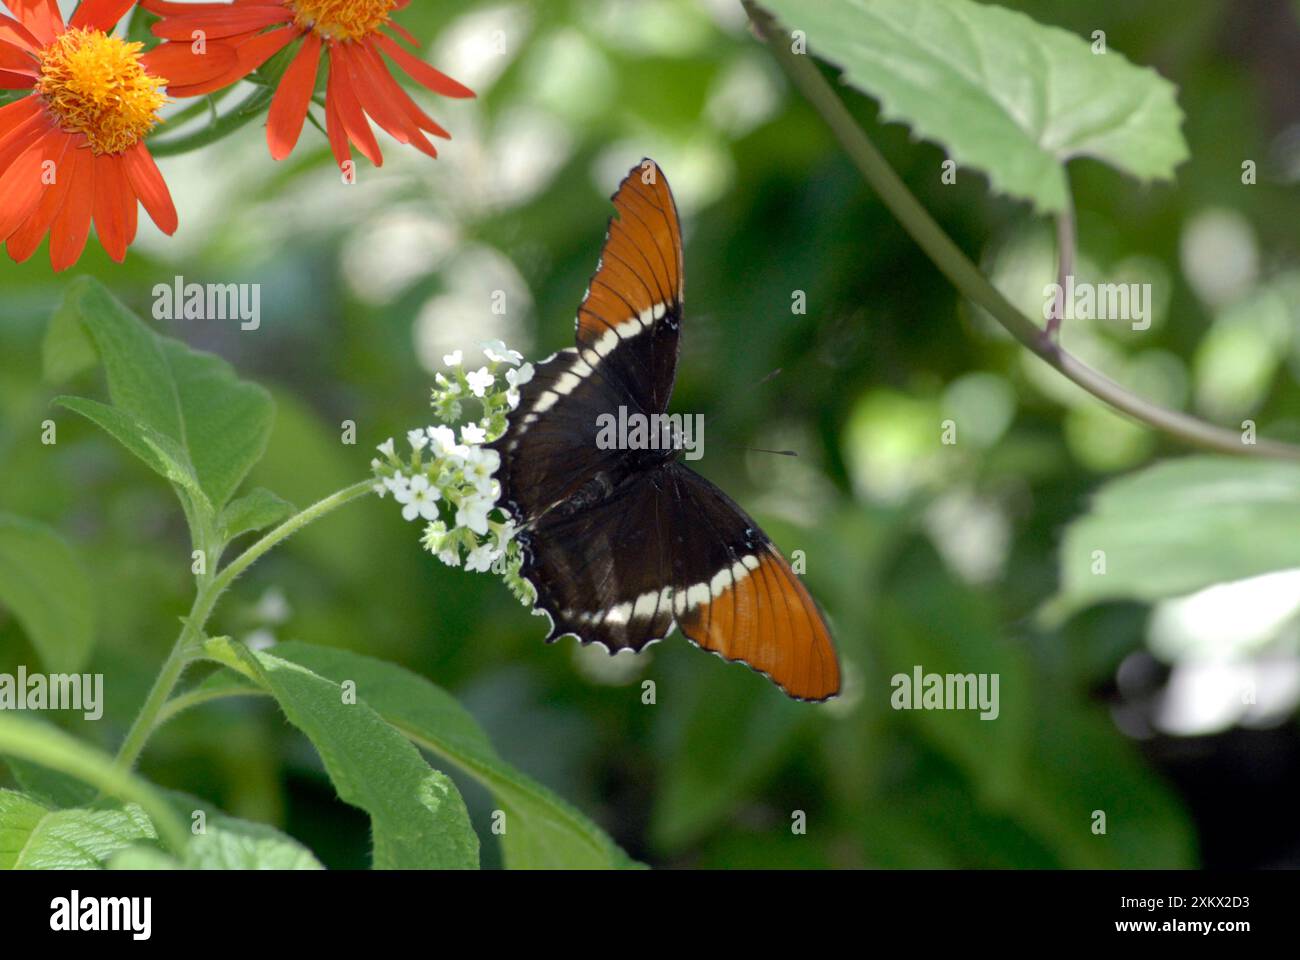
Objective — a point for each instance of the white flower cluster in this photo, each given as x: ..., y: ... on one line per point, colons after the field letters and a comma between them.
x: 450, y: 483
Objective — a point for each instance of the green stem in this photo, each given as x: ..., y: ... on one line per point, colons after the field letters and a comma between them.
x: 967, y: 278
x: 226, y: 124
x: 194, y: 698
x: 182, y: 654
x: 187, y: 647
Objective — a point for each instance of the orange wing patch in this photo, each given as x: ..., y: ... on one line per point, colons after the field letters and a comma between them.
x: 640, y: 272
x: 767, y: 620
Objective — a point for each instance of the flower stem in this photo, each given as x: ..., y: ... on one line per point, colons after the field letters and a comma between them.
x: 966, y: 277
x: 187, y: 646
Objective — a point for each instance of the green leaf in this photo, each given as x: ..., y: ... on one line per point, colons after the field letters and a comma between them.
x: 216, y: 424
x: 52, y: 788
x: 254, y: 511
x: 160, y: 453
x: 1178, y: 527
x: 417, y: 814
x: 228, y: 843
x: 34, y: 837
x: 542, y: 831
x: 50, y: 747
x: 998, y: 91
x: 43, y: 582
x: 67, y: 349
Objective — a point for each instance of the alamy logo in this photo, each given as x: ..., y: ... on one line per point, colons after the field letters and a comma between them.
x: 53, y: 691
x: 1099, y: 301
x: 100, y: 914
x: 946, y: 691
x: 657, y: 431
x: 179, y: 300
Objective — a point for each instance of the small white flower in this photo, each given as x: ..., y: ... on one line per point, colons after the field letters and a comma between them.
x: 450, y: 555
x: 512, y: 398
x: 420, y: 499
x: 380, y: 489
x: 386, y: 448
x: 398, y: 483
x: 480, y: 559
x: 418, y: 439
x: 517, y: 378
x: 444, y: 443
x: 473, y: 514
x: 453, y: 359
x: 479, y: 467
x: 472, y: 434
x: 498, y: 352
x: 480, y: 381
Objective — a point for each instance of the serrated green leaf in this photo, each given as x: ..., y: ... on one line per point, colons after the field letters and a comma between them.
x: 35, y: 837
x: 418, y: 817
x: 542, y: 830
x: 256, y: 510
x: 229, y: 843
x: 45, y: 585
x: 1181, y: 526
x: 216, y: 424
x: 1001, y: 93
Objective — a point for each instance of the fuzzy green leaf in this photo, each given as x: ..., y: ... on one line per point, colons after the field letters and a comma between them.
x: 45, y: 585
x: 998, y: 91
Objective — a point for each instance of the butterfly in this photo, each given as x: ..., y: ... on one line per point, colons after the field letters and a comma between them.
x: 620, y: 545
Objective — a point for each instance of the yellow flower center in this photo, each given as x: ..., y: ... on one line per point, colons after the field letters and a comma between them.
x: 95, y: 85
x: 342, y: 19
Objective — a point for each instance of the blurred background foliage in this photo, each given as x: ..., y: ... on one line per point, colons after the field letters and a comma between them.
x: 921, y: 553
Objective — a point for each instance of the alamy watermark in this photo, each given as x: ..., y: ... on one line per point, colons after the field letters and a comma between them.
x: 655, y: 431
x: 179, y: 300
x: 53, y: 691
x: 946, y: 691
x: 1099, y: 301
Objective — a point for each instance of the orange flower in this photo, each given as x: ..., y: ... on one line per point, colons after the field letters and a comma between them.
x: 73, y: 151
x: 360, y: 86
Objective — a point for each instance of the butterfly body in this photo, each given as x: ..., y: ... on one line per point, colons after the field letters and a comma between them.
x: 622, y: 545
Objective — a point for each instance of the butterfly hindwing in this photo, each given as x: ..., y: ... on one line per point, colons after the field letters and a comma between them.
x: 622, y: 546
x: 735, y: 595
x: 603, y: 571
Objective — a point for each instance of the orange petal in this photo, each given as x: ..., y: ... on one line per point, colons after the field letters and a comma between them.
x: 421, y: 72
x: 225, y: 23
x: 28, y: 237
x: 112, y: 197
x: 181, y: 66
x: 26, y: 127
x: 41, y: 17
x: 340, y: 93
x: 11, y: 31
x: 335, y: 130
x: 293, y: 99
x: 100, y: 14
x: 251, y: 53
x: 376, y: 102
x: 20, y: 186
x: 16, y: 59
x: 71, y: 227
x: 150, y: 187
x: 389, y: 85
